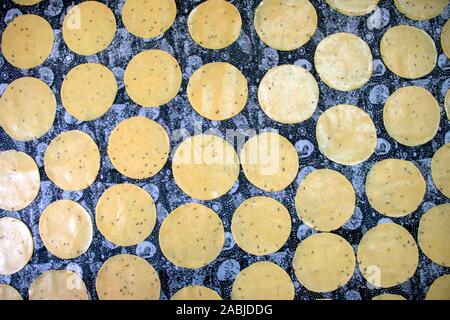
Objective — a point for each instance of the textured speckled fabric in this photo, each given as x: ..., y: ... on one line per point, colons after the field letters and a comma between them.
x: 254, y: 59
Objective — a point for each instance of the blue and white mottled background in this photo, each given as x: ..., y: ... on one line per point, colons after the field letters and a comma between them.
x: 254, y: 59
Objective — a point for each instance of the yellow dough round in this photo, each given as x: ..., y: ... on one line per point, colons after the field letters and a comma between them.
x: 285, y: 24
x: 269, y: 161
x: 439, y: 289
x: 88, y: 91
x: 138, y: 147
x: 346, y: 134
x: 353, y: 7
x: 387, y: 255
x: 152, y: 78
x: 16, y: 245
x: 262, y: 281
x: 343, y: 61
x: 325, y: 200
x: 195, y: 293
x: 388, y: 296
x: 411, y: 116
x: 288, y: 94
x: 27, y: 109
x: 440, y: 169
x: 395, y: 187
x: 421, y: 9
x: 261, y: 225
x: 72, y: 160
x: 433, y: 236
x: 215, y: 24
x: 27, y: 41
x: 127, y: 277
x: 192, y: 236
x: 217, y: 91
x: 125, y: 214
x: 9, y: 293
x: 66, y: 229
x: 445, y: 39
x: 408, y: 52
x: 58, y: 285
x: 89, y: 27
x: 324, y: 262
x: 447, y: 104
x: 205, y: 166
x: 148, y: 19
x: 26, y: 2
x: 19, y: 180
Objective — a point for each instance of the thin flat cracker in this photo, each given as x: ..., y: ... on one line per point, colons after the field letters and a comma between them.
x: 196, y: 293
x: 411, y: 116
x: 27, y: 41
x: 388, y: 296
x: 27, y: 109
x: 269, y: 161
x: 58, y: 285
x: 445, y: 39
x: 9, y: 293
x: 191, y: 236
x: 439, y: 289
x: 395, y: 187
x: 447, y: 104
x: 152, y: 78
x: 288, y: 94
x: 138, y: 147
x: 325, y: 200
x: 217, y: 91
x: 19, y: 180
x: 346, y: 134
x: 387, y: 255
x: 26, y: 2
x: 440, y: 169
x: 88, y: 91
x: 127, y: 277
x: 125, y: 214
x: 421, y: 9
x: 263, y: 281
x: 215, y: 24
x: 65, y: 229
x: 205, y: 166
x: 261, y: 225
x: 353, y: 7
x: 285, y: 24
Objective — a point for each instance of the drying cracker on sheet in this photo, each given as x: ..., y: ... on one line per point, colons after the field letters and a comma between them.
x: 353, y: 7
x: 27, y: 2
x: 445, y: 39
x: 440, y: 169
x: 421, y: 9
x: 196, y: 293
x: 447, y: 104
x: 439, y: 289
x: 9, y: 293
x: 58, y: 285
x: 388, y: 296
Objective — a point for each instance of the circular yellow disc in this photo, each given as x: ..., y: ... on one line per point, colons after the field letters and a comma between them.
x: 395, y: 187
x: 138, y: 147
x: 261, y: 225
x: 125, y: 214
x: 263, y: 281
x: 288, y: 94
x: 324, y: 262
x: 26, y: 2
x: 411, y: 116
x: 127, y: 277
x: 72, y: 160
x: 439, y: 289
x: 343, y: 61
x: 58, y: 285
x: 269, y: 161
x: 195, y: 293
x: 346, y: 134
x: 19, y: 180
x: 152, y: 78
x: 148, y: 19
x: 440, y: 169
x: 408, y: 52
x: 88, y: 91
x: 433, y: 236
x: 447, y: 104
x: 27, y: 41
x: 285, y: 24
x: 217, y: 91
x: 325, y: 200
x: 388, y: 296
x: 66, y: 229
x: 387, y: 255
x: 9, y: 293
x: 353, y: 7
x: 192, y: 236
x: 27, y: 109
x: 215, y: 24
x: 445, y: 38
x: 205, y: 166
x: 421, y: 9
x: 89, y: 27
